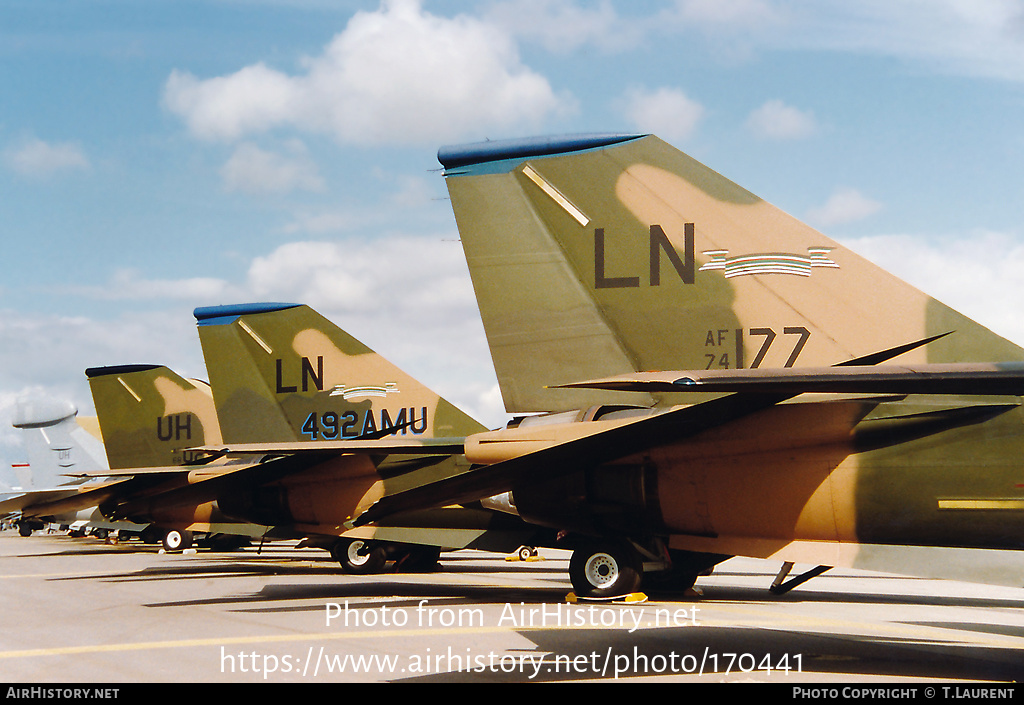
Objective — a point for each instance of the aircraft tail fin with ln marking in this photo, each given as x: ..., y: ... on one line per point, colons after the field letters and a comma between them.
x: 283, y: 372
x: 600, y: 255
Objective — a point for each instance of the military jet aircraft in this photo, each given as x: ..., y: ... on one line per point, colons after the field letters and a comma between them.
x: 148, y: 415
x: 59, y: 443
x: 343, y: 426
x: 132, y: 402
x: 315, y: 425
x: 712, y: 379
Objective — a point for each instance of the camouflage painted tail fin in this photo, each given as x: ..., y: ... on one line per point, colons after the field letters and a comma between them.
x: 600, y: 255
x: 149, y: 414
x: 283, y: 372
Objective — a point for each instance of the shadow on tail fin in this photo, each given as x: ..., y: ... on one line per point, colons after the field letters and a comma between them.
x: 593, y: 257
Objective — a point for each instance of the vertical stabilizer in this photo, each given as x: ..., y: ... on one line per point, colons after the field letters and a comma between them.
x: 148, y: 414
x: 602, y: 255
x: 55, y: 442
x: 283, y: 372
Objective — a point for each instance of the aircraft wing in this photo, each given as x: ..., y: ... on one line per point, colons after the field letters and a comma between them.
x: 138, y: 487
x: 18, y: 502
x: 564, y: 458
x: 84, y: 497
x: 607, y: 445
x: 181, y: 484
x: 125, y: 485
x: 206, y: 486
x: 982, y: 379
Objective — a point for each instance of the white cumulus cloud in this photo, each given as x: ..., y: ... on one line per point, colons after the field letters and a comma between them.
x: 666, y: 112
x: 395, y: 75
x: 725, y: 12
x: 409, y: 298
x: 254, y: 170
x: 37, y: 158
x: 563, y: 27
x: 778, y: 121
x: 845, y: 205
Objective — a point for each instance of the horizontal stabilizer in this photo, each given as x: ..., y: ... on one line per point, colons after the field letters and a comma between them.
x: 139, y: 472
x: 982, y: 379
x: 384, y: 446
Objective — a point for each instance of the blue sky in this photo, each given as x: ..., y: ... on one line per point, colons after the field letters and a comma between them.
x: 156, y: 156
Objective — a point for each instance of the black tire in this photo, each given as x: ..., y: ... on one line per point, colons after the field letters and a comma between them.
x: 175, y: 540
x: 359, y: 557
x: 527, y: 552
x: 605, y: 569
x: 24, y: 530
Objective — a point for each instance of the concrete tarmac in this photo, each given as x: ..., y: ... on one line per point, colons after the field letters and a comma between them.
x: 80, y: 610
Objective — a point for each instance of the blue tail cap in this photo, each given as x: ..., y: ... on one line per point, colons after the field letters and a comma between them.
x: 223, y: 315
x: 460, y: 156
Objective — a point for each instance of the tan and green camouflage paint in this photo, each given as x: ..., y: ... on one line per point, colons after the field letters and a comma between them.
x: 290, y: 375
x: 614, y: 260
x: 149, y: 414
x: 283, y: 373
x: 556, y: 311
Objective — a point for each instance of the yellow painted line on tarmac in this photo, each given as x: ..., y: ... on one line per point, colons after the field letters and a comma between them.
x: 230, y: 641
x: 705, y: 617
x: 276, y: 639
x: 66, y: 574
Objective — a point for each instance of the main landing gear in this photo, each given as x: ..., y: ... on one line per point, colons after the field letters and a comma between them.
x: 360, y: 557
x: 605, y: 568
x: 175, y: 540
x: 613, y: 567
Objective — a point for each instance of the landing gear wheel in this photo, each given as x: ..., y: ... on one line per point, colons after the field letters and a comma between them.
x: 605, y: 569
x: 24, y: 530
x: 527, y: 552
x: 175, y: 540
x: 359, y: 557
